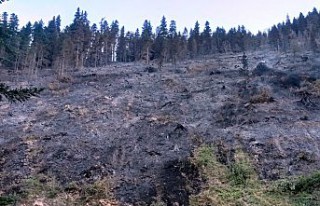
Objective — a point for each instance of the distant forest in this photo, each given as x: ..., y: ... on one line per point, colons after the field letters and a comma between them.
x: 82, y: 44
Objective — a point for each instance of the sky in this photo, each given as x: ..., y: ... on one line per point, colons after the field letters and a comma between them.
x: 253, y: 14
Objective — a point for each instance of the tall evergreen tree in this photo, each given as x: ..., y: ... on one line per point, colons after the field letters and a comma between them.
x: 137, y: 50
x: 121, y: 49
x: 274, y: 38
x: 24, y: 45
x: 160, y: 44
x: 39, y: 42
x: 206, y: 45
x: 114, y: 33
x: 105, y: 41
x: 146, y: 40
x: 52, y: 32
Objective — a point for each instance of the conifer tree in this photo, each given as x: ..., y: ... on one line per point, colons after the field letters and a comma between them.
x: 220, y: 38
x: 105, y: 42
x: 274, y: 38
x: 5, y: 47
x: 146, y: 39
x: 173, y: 42
x: 25, y: 35
x: 206, y: 39
x: 52, y: 32
x: 37, y: 60
x: 137, y: 50
x: 121, y: 49
x: 114, y: 33
x: 160, y: 44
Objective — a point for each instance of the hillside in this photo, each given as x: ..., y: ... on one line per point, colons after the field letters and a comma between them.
x: 129, y: 133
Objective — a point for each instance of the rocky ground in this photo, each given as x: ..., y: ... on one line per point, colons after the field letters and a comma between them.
x: 137, y: 126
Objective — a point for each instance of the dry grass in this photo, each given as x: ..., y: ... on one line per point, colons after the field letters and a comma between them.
x: 264, y: 96
x: 312, y: 88
x: 57, y: 89
x: 161, y: 119
x: 46, y: 191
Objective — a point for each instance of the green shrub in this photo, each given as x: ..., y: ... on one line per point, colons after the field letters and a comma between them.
x: 301, y: 184
x: 239, y: 173
x: 7, y: 200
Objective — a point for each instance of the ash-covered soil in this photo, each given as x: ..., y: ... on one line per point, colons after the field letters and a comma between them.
x: 138, y: 125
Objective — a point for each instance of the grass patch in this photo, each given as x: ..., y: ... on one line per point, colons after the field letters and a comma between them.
x: 237, y: 184
x: 231, y: 185
x: 303, y: 190
x: 47, y: 191
x: 41, y: 186
x: 301, y: 184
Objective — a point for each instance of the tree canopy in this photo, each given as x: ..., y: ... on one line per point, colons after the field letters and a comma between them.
x: 82, y: 44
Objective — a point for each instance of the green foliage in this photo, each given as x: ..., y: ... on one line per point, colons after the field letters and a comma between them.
x: 237, y: 184
x: 306, y: 184
x: 239, y: 173
x: 231, y: 185
x: 7, y: 200
x: 205, y: 156
x: 37, y: 186
x: 18, y: 95
x: 77, y: 45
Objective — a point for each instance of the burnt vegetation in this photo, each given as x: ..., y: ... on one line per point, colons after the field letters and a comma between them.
x: 199, y: 117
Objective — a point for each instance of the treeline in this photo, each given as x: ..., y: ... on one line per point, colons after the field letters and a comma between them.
x: 82, y: 44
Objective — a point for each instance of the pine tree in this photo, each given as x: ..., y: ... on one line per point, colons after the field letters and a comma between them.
x: 130, y: 47
x: 242, y: 38
x: 220, y: 38
x: 81, y: 36
x: 196, y: 37
x: 173, y: 42
x: 172, y: 29
x: 194, y: 42
x: 114, y: 33
x: 232, y: 39
x: 94, y: 54
x: 137, y: 45
x: 4, y: 40
x: 183, y: 45
x: 37, y: 60
x: 121, y: 49
x: 146, y: 40
x: 160, y: 44
x: 274, y: 38
x: 52, y: 32
x: 105, y: 42
x: 24, y: 46
x: 206, y: 45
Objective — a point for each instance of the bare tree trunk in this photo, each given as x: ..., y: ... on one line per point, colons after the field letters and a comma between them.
x: 148, y: 55
x: 77, y: 58
x: 82, y: 61
x: 16, y: 63
x: 96, y: 58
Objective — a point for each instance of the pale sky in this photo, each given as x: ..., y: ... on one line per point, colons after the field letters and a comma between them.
x: 254, y: 14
